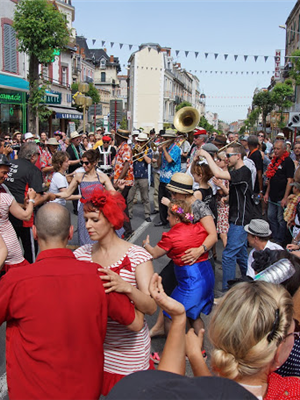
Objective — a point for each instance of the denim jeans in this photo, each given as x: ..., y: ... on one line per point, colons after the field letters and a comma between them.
x: 234, y: 252
x: 276, y: 221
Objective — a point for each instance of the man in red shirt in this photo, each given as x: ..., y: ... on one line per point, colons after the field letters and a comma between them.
x: 56, y: 312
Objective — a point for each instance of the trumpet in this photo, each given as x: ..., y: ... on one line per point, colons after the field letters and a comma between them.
x: 155, y: 146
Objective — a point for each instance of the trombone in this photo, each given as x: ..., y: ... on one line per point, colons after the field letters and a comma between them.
x: 155, y: 146
x: 227, y: 145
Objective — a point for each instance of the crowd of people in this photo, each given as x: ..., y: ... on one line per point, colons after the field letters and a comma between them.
x: 76, y: 326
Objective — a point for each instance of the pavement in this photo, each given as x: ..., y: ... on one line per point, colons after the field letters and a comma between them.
x: 141, y: 230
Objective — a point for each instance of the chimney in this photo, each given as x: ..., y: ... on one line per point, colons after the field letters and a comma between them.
x: 111, y: 59
x: 105, y: 49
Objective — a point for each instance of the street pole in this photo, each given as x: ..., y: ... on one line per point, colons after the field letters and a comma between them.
x: 115, y: 115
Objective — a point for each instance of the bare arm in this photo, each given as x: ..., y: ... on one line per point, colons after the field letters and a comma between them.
x: 70, y: 190
x: 287, y: 192
x: 173, y: 356
x: 138, y: 322
x: 194, y: 353
x: 17, y: 211
x: 107, y: 182
x: 218, y: 173
x: 156, y: 251
x: 3, y: 252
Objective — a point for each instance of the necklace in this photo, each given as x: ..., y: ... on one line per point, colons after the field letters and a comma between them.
x: 274, y: 164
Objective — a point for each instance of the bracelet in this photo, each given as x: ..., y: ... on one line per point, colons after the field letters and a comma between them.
x: 204, y: 247
x: 31, y: 201
x: 144, y: 245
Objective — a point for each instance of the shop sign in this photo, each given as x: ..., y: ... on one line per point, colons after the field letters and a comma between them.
x: 11, y: 97
x: 68, y: 116
x: 52, y: 98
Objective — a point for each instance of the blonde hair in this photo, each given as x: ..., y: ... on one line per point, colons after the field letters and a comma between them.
x: 222, y: 155
x: 244, y: 329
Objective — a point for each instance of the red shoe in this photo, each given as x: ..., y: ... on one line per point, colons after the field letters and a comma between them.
x: 155, y: 358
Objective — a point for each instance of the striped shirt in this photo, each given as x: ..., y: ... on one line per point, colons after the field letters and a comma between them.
x: 124, y: 351
x: 15, y: 255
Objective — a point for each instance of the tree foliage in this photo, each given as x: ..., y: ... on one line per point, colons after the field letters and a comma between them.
x: 183, y: 104
x: 252, y: 118
x: 204, y: 124
x: 295, y: 71
x: 265, y: 102
x: 40, y: 29
x: 282, y: 96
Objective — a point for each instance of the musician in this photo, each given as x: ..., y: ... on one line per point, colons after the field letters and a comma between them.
x: 123, y: 170
x: 169, y: 161
x: 107, y: 154
x: 185, y: 147
x: 200, y: 137
x: 141, y: 170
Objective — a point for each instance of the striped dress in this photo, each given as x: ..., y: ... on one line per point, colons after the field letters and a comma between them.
x: 124, y: 351
x: 15, y: 255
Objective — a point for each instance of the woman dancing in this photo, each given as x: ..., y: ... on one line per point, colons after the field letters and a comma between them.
x: 128, y: 270
x: 196, y: 280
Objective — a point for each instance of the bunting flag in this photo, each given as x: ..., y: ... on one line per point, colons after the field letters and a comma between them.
x: 196, y: 54
x: 112, y: 44
x: 177, y: 52
x: 103, y: 43
x: 216, y: 55
x: 121, y: 45
x: 94, y: 41
x: 186, y: 53
x: 130, y: 46
x: 235, y: 57
x: 225, y: 56
x: 206, y: 55
x: 245, y: 57
x: 266, y: 58
x: 255, y: 58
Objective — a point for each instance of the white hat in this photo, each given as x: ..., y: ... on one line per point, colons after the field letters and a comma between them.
x: 171, y: 133
x: 28, y: 135
x: 143, y: 137
x: 135, y: 133
x: 280, y: 134
x: 74, y: 135
x: 258, y: 227
x: 52, y: 142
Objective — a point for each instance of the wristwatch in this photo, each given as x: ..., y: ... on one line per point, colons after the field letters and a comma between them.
x: 205, y: 248
x: 31, y: 201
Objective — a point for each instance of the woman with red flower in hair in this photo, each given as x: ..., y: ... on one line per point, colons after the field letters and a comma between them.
x: 128, y: 269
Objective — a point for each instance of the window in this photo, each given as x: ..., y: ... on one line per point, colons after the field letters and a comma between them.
x: 45, y: 72
x: 64, y: 76
x: 10, y: 49
x: 102, y: 63
x: 103, y: 76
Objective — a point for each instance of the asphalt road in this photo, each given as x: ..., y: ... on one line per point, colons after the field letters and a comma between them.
x: 142, y: 229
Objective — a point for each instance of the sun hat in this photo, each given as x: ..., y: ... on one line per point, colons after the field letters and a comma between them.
x: 199, y: 131
x: 258, y: 227
x: 143, y: 137
x: 52, y: 142
x: 220, y: 140
x: 280, y: 135
x: 181, y: 183
x: 135, y: 133
x: 4, y: 160
x: 74, y: 135
x: 171, y: 133
x: 28, y: 135
x: 123, y: 133
x: 156, y: 384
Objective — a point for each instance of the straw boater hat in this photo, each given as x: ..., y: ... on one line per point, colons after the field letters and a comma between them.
x: 143, y: 137
x: 74, y: 135
x: 258, y: 227
x: 181, y: 183
x: 52, y: 142
x: 123, y: 133
x: 170, y: 133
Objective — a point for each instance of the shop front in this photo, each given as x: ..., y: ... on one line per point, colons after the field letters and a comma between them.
x: 12, y: 104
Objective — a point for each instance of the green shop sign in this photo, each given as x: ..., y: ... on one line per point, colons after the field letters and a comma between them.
x: 7, y: 98
x: 52, y: 98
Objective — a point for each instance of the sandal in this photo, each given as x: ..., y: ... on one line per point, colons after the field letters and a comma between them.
x: 155, y: 358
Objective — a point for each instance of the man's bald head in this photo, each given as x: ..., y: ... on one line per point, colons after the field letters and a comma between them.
x: 53, y: 222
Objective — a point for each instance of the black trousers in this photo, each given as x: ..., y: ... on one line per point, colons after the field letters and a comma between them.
x: 163, y: 210
x: 127, y: 224
x: 29, y: 244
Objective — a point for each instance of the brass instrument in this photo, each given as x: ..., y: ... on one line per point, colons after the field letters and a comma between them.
x: 186, y: 119
x: 227, y: 145
x: 139, y: 156
x: 155, y: 146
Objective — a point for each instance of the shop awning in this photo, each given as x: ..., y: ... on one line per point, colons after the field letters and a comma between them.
x: 66, y: 112
x: 13, y: 82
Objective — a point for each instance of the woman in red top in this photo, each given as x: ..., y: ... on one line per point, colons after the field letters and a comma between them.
x: 195, y: 281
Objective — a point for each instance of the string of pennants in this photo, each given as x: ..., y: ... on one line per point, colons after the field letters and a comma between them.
x: 212, y: 72
x: 228, y: 106
x: 229, y: 97
x: 246, y: 57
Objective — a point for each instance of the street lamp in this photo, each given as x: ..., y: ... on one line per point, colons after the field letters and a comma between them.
x: 82, y: 100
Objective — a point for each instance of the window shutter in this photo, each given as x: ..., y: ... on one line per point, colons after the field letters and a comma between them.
x: 10, y: 49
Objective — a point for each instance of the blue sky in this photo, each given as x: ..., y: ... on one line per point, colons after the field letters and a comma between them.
x: 214, y: 27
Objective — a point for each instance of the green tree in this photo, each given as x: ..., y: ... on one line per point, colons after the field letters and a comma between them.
x: 183, y: 104
x: 123, y: 123
x: 265, y: 103
x: 204, y: 124
x: 40, y: 29
x: 252, y: 119
x: 282, y: 96
x: 295, y: 71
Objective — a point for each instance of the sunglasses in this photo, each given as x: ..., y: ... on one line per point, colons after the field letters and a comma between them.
x: 7, y: 138
x: 85, y: 162
x: 296, y: 332
x: 260, y: 135
x: 228, y: 155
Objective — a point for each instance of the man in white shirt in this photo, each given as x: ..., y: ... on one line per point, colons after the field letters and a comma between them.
x: 258, y: 237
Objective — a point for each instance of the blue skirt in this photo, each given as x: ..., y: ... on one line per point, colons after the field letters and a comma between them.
x: 195, y: 289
